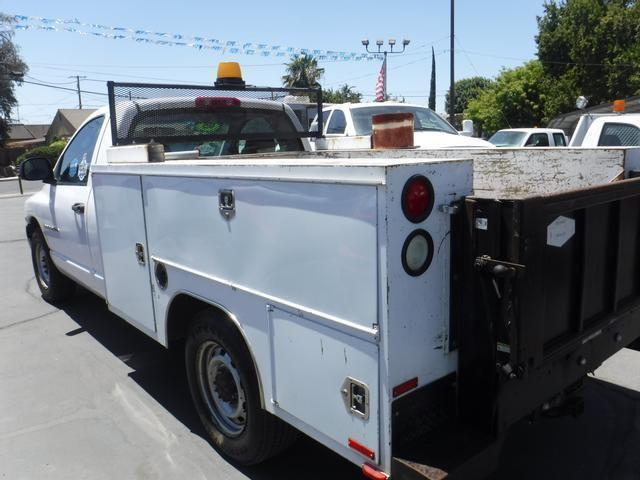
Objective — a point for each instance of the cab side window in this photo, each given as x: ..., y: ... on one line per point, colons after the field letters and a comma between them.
x: 559, y: 140
x: 73, y: 165
x: 537, y: 140
x: 337, y: 124
x: 619, y: 134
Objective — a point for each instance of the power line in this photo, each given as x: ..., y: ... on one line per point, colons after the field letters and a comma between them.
x: 75, y: 90
x: 553, y: 62
x: 51, y: 83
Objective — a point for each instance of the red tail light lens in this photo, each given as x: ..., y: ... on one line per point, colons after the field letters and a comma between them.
x: 417, y: 198
x: 210, y: 103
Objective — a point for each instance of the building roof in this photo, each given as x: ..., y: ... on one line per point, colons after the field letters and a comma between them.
x: 75, y: 116
x: 20, y: 131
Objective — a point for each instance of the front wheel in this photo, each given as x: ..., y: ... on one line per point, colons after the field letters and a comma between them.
x: 54, y: 285
x: 224, y: 389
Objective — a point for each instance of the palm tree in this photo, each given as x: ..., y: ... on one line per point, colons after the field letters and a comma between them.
x: 302, y: 72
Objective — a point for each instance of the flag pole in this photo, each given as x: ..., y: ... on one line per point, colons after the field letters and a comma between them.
x: 452, y: 90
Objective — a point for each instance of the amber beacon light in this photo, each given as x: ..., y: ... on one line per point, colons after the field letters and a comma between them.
x: 229, y: 75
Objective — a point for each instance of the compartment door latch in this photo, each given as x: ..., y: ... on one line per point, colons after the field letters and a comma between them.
x: 355, y: 395
x: 140, y: 253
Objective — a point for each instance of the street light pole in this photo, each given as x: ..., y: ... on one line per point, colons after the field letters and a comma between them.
x: 452, y: 89
x: 379, y: 44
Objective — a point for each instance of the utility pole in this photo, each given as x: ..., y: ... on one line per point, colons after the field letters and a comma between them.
x: 78, y: 77
x: 380, y: 43
x: 452, y: 90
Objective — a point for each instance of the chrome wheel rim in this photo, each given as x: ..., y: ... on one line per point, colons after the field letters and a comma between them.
x: 221, y: 388
x: 43, y: 266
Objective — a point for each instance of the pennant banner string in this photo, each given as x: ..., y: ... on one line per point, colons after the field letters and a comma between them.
x: 24, y: 22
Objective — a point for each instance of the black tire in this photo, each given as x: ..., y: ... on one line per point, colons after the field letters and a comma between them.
x: 54, y: 286
x: 215, y: 350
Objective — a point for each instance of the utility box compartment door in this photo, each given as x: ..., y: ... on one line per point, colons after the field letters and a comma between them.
x: 123, y: 242
x: 316, y: 370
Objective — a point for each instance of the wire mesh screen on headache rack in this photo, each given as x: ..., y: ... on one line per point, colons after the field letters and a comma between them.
x: 213, y: 120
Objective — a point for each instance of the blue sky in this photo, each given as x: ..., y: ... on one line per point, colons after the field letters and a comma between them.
x: 490, y: 35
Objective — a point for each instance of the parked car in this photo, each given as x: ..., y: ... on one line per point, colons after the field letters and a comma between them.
x: 348, y: 125
x: 529, y: 137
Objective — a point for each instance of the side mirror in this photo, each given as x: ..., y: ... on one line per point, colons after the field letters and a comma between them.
x: 36, y: 168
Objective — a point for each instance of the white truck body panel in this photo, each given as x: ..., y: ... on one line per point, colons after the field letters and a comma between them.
x: 274, y: 266
x: 121, y: 225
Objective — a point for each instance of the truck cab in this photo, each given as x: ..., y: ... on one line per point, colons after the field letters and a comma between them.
x: 607, y: 130
x: 529, y: 137
x: 62, y: 214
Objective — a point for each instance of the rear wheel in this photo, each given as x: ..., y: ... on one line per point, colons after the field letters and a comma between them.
x: 54, y: 286
x: 224, y: 388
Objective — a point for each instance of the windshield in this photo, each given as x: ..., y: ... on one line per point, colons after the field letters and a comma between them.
x: 424, y: 120
x: 191, y: 127
x: 507, y: 139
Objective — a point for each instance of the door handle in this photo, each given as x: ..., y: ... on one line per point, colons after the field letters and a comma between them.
x: 78, y: 208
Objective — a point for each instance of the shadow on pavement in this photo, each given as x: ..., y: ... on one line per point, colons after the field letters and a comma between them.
x: 603, y: 443
x: 160, y: 373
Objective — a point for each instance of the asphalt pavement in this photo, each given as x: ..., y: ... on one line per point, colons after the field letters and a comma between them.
x: 83, y: 395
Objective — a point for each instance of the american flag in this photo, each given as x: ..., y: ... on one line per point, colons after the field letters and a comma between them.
x: 380, y: 82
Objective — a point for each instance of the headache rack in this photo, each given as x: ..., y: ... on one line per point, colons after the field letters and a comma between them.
x: 164, y: 109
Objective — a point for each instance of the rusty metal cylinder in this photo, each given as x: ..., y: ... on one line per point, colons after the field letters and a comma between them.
x: 392, y: 130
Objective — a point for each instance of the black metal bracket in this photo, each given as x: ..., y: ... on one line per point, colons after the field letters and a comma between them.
x: 498, y: 268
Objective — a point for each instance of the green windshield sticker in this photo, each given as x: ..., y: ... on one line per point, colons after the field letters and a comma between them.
x: 208, y: 128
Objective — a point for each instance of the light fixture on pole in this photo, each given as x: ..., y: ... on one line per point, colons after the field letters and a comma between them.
x: 379, y: 44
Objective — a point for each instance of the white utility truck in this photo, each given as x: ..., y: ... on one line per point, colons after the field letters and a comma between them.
x: 348, y: 126
x: 529, y: 137
x: 367, y: 298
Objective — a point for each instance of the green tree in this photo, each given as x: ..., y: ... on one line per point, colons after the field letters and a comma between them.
x: 51, y: 151
x: 344, y: 94
x: 517, y: 98
x: 466, y: 90
x: 592, y: 47
x: 302, y: 72
x: 12, y: 68
x: 432, y: 87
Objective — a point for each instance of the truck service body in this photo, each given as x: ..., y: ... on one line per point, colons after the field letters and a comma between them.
x: 366, y: 298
